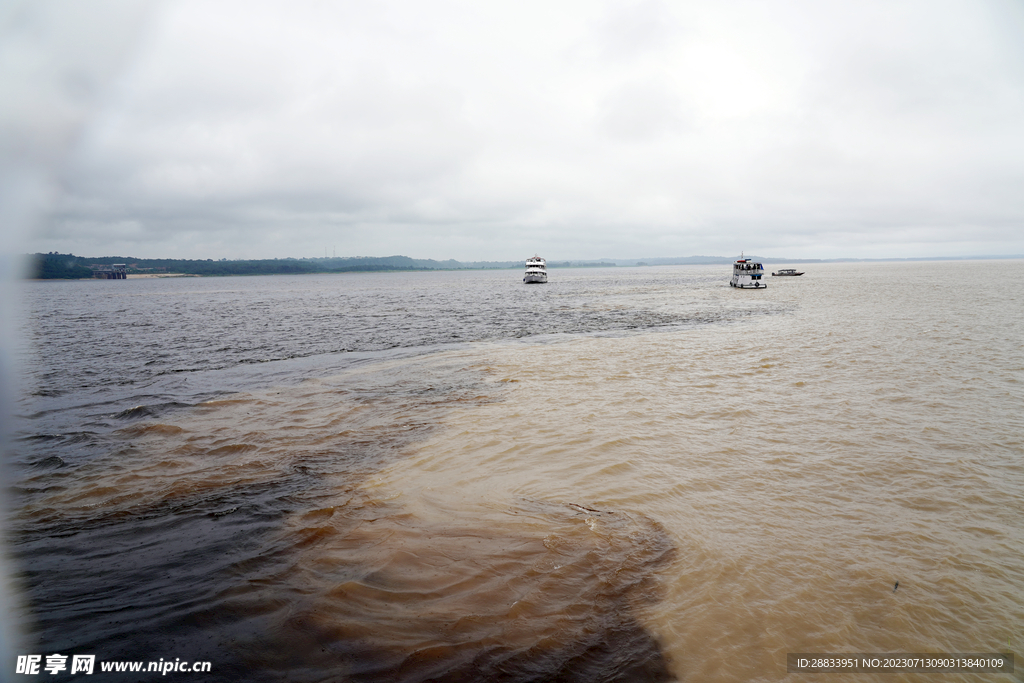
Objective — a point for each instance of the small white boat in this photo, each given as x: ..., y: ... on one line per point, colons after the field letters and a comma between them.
x: 536, y: 271
x: 787, y: 271
x: 747, y: 274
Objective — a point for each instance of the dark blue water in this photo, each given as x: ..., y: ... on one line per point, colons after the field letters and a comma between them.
x: 99, y: 333
x: 178, y: 439
x: 101, y: 352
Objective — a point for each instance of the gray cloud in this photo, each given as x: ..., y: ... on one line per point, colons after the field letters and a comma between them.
x: 574, y: 129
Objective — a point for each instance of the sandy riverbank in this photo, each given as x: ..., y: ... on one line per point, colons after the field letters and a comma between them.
x: 134, y: 276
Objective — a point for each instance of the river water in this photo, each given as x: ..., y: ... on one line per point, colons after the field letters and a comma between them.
x: 626, y: 474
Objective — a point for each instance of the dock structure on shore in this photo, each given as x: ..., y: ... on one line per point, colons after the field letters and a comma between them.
x: 115, y: 271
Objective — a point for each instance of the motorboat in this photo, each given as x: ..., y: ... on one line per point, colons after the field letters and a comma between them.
x: 787, y: 271
x: 536, y: 271
x: 747, y: 275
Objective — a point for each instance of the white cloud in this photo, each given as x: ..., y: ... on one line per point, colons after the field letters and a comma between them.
x: 576, y: 129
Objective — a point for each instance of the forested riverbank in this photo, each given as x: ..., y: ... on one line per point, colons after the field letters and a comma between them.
x: 68, y: 266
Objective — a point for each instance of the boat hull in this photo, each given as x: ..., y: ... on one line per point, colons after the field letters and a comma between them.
x: 747, y: 283
x: 535, y: 278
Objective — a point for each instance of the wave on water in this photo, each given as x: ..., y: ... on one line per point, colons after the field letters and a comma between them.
x: 248, y: 530
x: 670, y: 477
x: 534, y: 591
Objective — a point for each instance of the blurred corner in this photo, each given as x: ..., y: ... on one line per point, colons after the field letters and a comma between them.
x: 58, y: 59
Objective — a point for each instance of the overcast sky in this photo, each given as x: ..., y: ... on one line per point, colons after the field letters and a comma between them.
x: 573, y: 129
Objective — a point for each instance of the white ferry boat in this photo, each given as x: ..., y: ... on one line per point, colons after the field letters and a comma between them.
x: 536, y: 271
x: 747, y: 274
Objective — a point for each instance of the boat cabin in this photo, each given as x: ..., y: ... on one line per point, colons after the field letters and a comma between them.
x: 746, y: 273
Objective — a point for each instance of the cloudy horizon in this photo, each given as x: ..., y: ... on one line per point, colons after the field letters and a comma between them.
x: 576, y: 130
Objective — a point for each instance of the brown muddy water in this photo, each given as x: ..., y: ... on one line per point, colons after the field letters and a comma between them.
x: 624, y: 475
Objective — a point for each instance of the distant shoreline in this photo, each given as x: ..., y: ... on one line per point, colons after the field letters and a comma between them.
x: 54, y: 266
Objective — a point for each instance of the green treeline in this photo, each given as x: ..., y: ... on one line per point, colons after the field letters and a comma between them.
x: 53, y: 265
x: 68, y: 266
